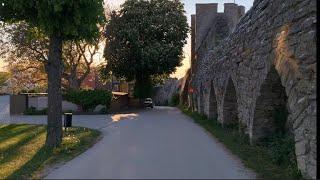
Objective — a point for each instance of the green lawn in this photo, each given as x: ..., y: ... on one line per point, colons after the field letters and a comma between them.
x: 23, y: 154
x: 276, y: 160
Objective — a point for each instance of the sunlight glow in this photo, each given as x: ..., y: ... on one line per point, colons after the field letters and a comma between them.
x: 119, y: 117
x: 285, y: 60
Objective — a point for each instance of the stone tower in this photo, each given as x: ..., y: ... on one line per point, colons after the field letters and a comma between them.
x: 207, y: 25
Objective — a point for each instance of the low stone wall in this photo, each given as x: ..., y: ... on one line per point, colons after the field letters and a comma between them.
x: 268, y: 61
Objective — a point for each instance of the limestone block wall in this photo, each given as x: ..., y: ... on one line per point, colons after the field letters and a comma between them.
x: 270, y: 60
x: 205, y: 13
x: 164, y: 93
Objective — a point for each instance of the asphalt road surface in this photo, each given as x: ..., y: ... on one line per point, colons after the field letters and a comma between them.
x: 154, y: 143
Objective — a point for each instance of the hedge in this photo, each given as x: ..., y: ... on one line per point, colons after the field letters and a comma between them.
x: 88, y: 99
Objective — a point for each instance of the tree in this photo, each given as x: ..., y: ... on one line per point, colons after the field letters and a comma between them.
x: 145, y: 38
x: 159, y: 79
x: 78, y: 58
x: 4, y: 76
x: 25, y: 56
x: 60, y: 21
x: 29, y: 55
x: 25, y: 78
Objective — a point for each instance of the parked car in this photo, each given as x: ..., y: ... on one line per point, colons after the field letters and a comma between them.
x: 148, y: 102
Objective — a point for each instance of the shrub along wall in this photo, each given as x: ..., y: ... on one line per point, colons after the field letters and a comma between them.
x: 89, y: 99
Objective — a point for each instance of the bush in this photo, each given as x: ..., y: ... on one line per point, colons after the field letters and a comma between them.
x: 103, y: 111
x: 281, y: 150
x: 34, y: 111
x: 280, y: 116
x: 88, y: 99
x: 175, y: 99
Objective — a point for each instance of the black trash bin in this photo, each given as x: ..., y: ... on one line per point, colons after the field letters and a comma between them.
x: 67, y: 120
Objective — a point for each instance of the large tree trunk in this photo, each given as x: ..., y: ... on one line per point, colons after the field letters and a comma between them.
x: 54, y: 70
x: 142, y: 87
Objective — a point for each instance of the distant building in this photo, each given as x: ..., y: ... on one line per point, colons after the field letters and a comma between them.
x: 93, y: 81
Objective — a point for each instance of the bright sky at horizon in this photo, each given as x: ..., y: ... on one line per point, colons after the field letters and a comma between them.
x: 190, y: 9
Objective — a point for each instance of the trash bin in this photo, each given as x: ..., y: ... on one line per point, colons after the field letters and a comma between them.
x: 67, y: 120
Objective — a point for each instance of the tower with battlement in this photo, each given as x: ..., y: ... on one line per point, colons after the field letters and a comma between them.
x: 208, y: 27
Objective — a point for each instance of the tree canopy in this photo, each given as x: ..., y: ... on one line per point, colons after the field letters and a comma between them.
x: 27, y: 52
x: 59, y: 20
x: 4, y: 76
x: 145, y: 38
x: 70, y: 19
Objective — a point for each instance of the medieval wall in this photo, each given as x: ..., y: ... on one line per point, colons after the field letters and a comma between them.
x: 163, y: 94
x: 267, y: 61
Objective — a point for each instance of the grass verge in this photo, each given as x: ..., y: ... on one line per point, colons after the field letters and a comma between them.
x: 263, y: 158
x: 23, y: 154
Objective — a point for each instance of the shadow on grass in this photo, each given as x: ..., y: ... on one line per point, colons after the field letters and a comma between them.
x: 13, y: 132
x: 75, y: 141
x: 8, y: 129
x: 32, y: 165
x: 13, y: 151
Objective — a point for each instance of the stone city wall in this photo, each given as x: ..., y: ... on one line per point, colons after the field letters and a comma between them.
x: 247, y: 66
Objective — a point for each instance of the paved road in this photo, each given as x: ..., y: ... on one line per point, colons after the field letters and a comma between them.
x: 159, y: 143
x: 155, y: 143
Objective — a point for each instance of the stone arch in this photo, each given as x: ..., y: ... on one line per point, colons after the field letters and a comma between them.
x: 201, y: 100
x: 194, y: 101
x: 212, y: 106
x: 271, y: 112
x: 230, y: 106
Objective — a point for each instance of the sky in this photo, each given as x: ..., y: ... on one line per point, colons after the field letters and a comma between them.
x: 190, y: 6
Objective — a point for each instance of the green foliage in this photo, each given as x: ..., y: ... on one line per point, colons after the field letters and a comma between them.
x: 274, y: 159
x: 4, y: 76
x: 34, y: 111
x: 143, y: 88
x: 67, y: 19
x: 30, y: 91
x: 175, y: 99
x: 159, y: 79
x: 25, y: 149
x: 146, y: 38
x: 89, y: 99
x: 60, y: 21
x: 104, y: 110
x: 281, y: 151
x: 280, y: 116
x: 104, y: 73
